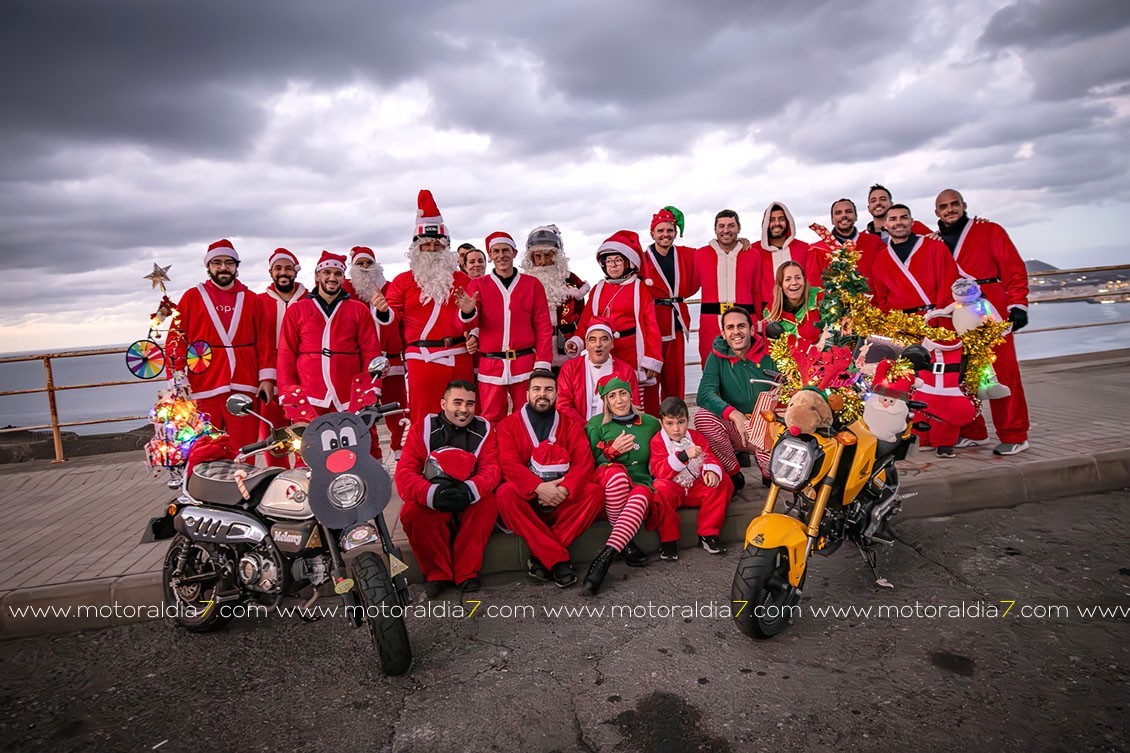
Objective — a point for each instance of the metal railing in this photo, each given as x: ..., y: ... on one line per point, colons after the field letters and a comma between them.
x: 51, y: 388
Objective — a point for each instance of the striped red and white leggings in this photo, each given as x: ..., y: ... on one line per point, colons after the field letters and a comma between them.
x: 625, y: 503
x: 726, y: 443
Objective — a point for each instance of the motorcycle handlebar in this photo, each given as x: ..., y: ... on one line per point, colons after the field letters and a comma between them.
x: 256, y: 446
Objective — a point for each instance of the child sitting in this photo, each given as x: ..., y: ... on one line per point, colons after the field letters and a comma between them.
x: 686, y: 474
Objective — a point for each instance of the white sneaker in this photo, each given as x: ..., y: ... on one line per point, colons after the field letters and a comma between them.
x: 967, y: 442
x: 1009, y: 448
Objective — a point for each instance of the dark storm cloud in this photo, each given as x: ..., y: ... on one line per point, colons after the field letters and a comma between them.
x: 1052, y: 23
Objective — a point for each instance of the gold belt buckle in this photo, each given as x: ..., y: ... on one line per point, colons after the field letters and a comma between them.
x: 725, y: 306
x: 510, y: 355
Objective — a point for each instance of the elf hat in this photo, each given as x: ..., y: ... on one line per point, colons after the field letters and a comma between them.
x: 599, y: 325
x: 328, y: 260
x: 451, y: 462
x: 361, y: 252
x: 499, y: 237
x: 623, y: 242
x: 549, y: 461
x: 282, y: 254
x: 222, y: 247
x: 891, y: 385
x: 668, y: 214
x: 429, y: 222
x: 609, y: 384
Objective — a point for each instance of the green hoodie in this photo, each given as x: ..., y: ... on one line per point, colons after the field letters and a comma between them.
x: 725, y: 385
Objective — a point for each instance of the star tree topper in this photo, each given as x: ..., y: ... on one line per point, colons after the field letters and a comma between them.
x: 159, y: 276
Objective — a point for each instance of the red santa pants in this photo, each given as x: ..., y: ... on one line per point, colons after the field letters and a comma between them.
x: 394, y: 390
x: 708, y: 329
x: 1010, y: 414
x: 946, y: 414
x: 549, y: 534
x: 428, y: 381
x: 243, y: 430
x: 495, y: 400
x: 449, y: 546
x: 625, y: 503
x: 669, y: 496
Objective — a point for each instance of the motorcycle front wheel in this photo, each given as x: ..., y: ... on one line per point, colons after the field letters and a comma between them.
x: 764, y: 602
x: 194, y: 596
x: 378, y: 597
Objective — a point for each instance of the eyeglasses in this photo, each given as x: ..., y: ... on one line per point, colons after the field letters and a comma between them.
x: 221, y: 263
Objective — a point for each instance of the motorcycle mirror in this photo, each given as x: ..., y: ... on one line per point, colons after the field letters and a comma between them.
x: 378, y: 366
x: 238, y: 404
x: 921, y: 426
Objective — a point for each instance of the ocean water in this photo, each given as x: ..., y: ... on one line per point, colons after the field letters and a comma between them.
x: 136, y: 398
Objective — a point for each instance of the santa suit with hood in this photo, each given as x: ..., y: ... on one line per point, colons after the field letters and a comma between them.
x: 232, y: 324
x: 678, y: 483
x: 627, y: 306
x: 671, y: 282
x: 515, y: 335
x: 274, y: 308
x: 577, y: 394
x: 918, y: 284
x: 769, y: 257
x: 727, y: 280
x: 533, y: 449
x: 983, y: 252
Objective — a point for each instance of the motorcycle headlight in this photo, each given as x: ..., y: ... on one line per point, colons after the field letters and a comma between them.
x: 346, y: 491
x: 792, y: 463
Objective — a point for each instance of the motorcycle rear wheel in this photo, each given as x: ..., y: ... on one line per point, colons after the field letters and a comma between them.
x: 389, y: 634
x: 762, y: 582
x: 197, y: 610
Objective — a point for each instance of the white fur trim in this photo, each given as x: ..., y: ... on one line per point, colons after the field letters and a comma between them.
x: 616, y: 247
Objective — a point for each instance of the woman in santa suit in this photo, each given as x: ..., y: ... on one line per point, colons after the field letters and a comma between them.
x: 623, y: 301
x: 795, y: 307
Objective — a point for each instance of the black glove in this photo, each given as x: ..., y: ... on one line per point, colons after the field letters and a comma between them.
x: 773, y: 330
x: 1019, y: 318
x: 450, y: 495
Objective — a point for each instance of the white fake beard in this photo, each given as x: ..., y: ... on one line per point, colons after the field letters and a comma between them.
x: 434, y: 272
x: 367, y: 281
x: 552, y: 278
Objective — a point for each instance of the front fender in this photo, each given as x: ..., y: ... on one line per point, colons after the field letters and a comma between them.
x: 773, y: 531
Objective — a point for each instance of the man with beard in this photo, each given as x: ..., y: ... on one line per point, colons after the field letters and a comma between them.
x: 367, y: 277
x: 777, y: 246
x: 915, y: 273
x: 422, y: 300
x: 282, y: 293
x: 621, y: 300
x: 726, y: 396
x: 727, y: 271
x: 548, y: 497
x: 545, y: 260
x: 328, y: 339
x: 447, y: 478
x: 510, y: 313
x: 983, y: 251
x: 878, y: 202
x: 670, y: 274
x: 226, y: 316
x: 578, y: 397
x: 844, y: 217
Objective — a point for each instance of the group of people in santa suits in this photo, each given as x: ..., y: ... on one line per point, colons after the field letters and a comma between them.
x: 557, y: 358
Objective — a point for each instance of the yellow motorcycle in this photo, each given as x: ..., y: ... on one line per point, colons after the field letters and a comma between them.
x: 839, y: 484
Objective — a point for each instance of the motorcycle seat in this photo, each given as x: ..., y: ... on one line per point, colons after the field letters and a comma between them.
x: 215, y: 481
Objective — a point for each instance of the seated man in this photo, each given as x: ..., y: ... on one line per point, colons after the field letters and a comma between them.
x: 686, y: 474
x: 577, y: 393
x: 621, y: 440
x: 726, y: 397
x: 548, y: 497
x: 446, y: 477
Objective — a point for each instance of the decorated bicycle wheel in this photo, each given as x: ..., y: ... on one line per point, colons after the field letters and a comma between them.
x: 199, y: 357
x: 145, y: 359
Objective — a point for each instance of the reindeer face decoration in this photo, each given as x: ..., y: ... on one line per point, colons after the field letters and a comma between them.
x: 347, y: 485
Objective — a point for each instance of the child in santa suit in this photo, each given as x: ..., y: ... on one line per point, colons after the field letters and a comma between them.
x: 686, y: 474
x: 948, y: 408
x: 620, y: 439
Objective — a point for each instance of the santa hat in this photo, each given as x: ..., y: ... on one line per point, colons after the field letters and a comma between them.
x: 451, y: 462
x: 610, y: 384
x: 429, y: 222
x: 545, y: 235
x: 328, y: 260
x: 549, y: 461
x: 282, y: 254
x: 623, y: 242
x: 893, y: 381
x: 668, y: 214
x: 361, y: 252
x: 599, y: 325
x: 222, y: 247
x: 498, y: 237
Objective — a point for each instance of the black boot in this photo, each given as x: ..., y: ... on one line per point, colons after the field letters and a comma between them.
x: 632, y: 555
x: 597, y: 570
x: 739, y: 481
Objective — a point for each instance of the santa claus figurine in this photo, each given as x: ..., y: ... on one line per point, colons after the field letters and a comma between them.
x: 948, y: 408
x: 885, y: 411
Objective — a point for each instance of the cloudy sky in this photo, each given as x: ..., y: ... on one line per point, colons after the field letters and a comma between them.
x: 135, y: 132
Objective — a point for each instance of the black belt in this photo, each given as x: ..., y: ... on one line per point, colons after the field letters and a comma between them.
x: 446, y: 342
x: 947, y: 368
x: 510, y: 355
x: 327, y: 352
x: 919, y: 310
x: 722, y: 308
x: 987, y: 281
x: 624, y: 333
x: 566, y: 329
x: 393, y: 355
x: 668, y: 301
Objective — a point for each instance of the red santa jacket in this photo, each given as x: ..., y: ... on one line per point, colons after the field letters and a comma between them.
x: 916, y: 227
x: 514, y: 319
x: 665, y: 464
x: 986, y: 253
x: 670, y: 299
x: 241, y: 350
x: 569, y: 311
x: 820, y: 256
x: 392, y: 343
x: 417, y: 490
x: 766, y: 269
x: 630, y: 309
x: 574, y: 388
x: 322, y: 354
x: 431, y: 322
x: 922, y: 283
x: 274, y: 308
x: 708, y: 259
x: 516, y: 443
